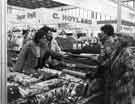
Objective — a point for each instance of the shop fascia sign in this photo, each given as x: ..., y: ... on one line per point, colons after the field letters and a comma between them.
x: 26, y: 16
x: 132, y: 15
x: 126, y: 29
x: 67, y: 18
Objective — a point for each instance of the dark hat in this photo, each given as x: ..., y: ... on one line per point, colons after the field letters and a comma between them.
x: 107, y: 29
x: 69, y: 34
x: 25, y: 32
x: 46, y: 29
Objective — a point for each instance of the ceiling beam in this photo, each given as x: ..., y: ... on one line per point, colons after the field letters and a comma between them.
x: 32, y: 4
x: 127, y: 0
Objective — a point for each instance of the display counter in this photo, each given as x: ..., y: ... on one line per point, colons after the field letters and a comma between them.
x: 54, y: 87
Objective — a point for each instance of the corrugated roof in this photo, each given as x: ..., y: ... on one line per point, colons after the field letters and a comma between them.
x: 32, y: 4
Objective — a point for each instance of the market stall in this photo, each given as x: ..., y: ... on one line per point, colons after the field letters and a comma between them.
x: 79, y: 70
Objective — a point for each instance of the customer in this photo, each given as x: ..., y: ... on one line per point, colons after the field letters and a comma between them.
x: 25, y: 36
x: 115, y: 66
x: 34, y: 53
x: 108, y: 44
x: 54, y: 44
x: 19, y: 41
x: 109, y: 39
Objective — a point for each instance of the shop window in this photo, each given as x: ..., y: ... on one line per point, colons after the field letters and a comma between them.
x: 73, y: 12
x: 81, y: 13
x: 95, y: 15
x: 9, y: 10
x: 105, y: 18
x: 76, y: 12
x: 100, y: 16
x: 85, y: 13
x: 89, y: 14
x: 92, y: 15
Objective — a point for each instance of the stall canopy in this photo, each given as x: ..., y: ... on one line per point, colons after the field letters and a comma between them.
x: 33, y: 4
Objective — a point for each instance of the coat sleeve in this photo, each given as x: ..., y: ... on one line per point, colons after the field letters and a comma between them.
x: 18, y: 67
x: 56, y: 55
x: 55, y: 47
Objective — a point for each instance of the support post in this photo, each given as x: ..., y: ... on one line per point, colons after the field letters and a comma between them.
x: 3, y: 52
x: 118, y: 15
x: 134, y: 4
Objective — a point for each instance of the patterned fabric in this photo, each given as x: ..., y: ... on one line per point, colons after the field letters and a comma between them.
x: 121, y: 68
x: 123, y: 73
x: 111, y: 44
x: 65, y: 43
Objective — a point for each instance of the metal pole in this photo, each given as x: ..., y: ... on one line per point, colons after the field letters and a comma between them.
x: 133, y: 3
x: 118, y: 15
x: 3, y: 52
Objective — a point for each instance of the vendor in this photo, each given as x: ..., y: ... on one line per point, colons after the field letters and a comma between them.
x: 34, y: 53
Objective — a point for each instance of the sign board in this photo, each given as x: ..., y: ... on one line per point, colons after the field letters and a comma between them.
x: 127, y: 29
x: 66, y: 18
x: 26, y: 16
x: 44, y: 16
x: 51, y: 16
x: 104, y: 7
x: 22, y: 16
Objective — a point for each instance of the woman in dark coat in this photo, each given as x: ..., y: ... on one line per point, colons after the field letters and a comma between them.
x: 118, y: 65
